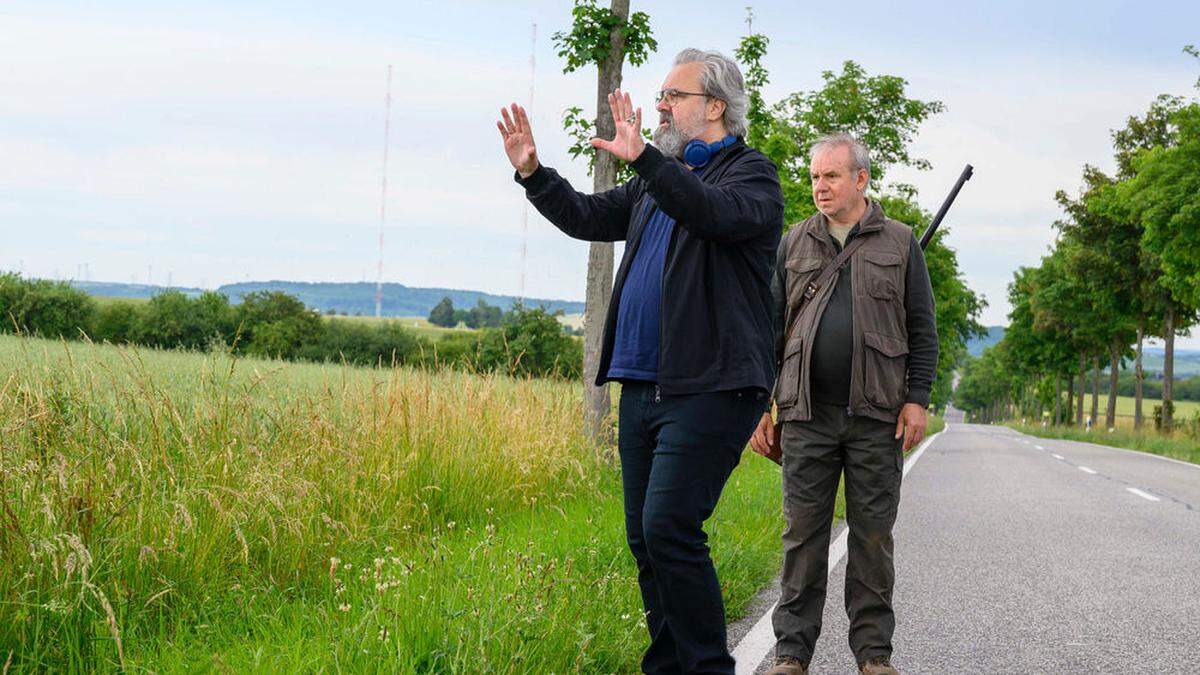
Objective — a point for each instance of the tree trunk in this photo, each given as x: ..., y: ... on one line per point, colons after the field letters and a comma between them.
x: 1110, y: 415
x: 1095, y: 412
x: 1082, y: 389
x: 1057, y: 399
x: 1168, y: 369
x: 1138, y: 376
x: 1069, y: 418
x: 597, y: 404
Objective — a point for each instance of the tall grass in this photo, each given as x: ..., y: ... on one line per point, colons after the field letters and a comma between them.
x: 1179, y: 445
x: 182, y: 512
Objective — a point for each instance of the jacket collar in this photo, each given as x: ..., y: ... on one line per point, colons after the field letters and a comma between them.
x: 872, y: 220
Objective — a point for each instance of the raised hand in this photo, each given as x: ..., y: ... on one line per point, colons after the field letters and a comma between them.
x: 518, y: 140
x: 628, y: 143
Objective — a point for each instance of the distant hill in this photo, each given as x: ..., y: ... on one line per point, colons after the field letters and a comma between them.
x: 119, y: 290
x: 1187, y: 362
x: 350, y: 298
x: 975, y: 346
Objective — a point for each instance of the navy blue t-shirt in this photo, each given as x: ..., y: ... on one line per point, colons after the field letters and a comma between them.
x: 635, y: 347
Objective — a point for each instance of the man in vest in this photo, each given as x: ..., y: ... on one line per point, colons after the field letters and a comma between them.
x: 856, y: 361
x: 688, y: 332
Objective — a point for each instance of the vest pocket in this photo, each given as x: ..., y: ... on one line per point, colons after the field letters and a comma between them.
x: 885, y: 366
x: 799, y: 272
x: 787, y: 389
x: 882, y: 274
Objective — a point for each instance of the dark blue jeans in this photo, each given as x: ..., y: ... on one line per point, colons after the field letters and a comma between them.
x: 676, y: 454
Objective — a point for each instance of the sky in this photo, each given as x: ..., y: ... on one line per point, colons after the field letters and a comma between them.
x: 219, y: 142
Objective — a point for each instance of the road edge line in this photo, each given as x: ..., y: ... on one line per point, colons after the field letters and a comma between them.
x: 1102, y: 446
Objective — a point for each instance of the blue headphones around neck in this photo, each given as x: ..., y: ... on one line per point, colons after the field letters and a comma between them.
x: 697, y: 153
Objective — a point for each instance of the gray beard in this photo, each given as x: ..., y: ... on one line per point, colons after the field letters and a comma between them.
x: 670, y: 141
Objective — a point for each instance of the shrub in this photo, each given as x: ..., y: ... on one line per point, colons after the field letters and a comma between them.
x: 361, y: 344
x: 531, y: 342
x: 46, y: 308
x: 275, y: 324
x: 172, y: 320
x: 115, y: 322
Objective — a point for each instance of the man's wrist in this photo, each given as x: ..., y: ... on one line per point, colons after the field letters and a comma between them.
x: 918, y: 396
x: 647, y: 161
x: 535, y: 180
x: 530, y: 171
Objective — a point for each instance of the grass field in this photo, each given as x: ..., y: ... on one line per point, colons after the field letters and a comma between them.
x: 1179, y: 445
x: 187, y: 512
x: 1184, y: 410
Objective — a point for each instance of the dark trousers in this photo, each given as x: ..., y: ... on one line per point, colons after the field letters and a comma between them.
x: 676, y: 454
x: 815, y: 454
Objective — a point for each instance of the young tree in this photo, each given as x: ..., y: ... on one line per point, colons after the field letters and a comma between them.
x: 1104, y: 257
x: 1156, y: 128
x: 443, y: 314
x: 1165, y: 193
x: 604, y: 38
x: 875, y: 109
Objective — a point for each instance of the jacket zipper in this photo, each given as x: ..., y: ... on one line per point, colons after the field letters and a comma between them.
x: 662, y: 287
x: 615, y: 298
x: 663, y: 275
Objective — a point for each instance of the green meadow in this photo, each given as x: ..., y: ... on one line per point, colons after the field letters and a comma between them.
x: 183, y: 512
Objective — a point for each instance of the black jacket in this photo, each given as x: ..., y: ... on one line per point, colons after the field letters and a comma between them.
x: 716, y: 327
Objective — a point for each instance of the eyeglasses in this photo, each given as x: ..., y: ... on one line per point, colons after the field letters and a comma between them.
x: 673, y: 95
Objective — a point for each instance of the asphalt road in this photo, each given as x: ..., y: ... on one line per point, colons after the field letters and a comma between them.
x: 1021, y: 555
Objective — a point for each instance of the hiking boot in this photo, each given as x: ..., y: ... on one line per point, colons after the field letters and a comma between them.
x: 788, y: 665
x: 879, y: 665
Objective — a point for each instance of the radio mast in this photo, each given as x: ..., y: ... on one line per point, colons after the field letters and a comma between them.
x: 383, y: 189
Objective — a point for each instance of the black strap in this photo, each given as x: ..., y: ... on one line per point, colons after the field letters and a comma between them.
x: 810, y: 291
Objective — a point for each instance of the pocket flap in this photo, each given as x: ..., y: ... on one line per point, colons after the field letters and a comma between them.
x: 886, y: 344
x: 792, y: 347
x: 882, y: 258
x: 803, y: 265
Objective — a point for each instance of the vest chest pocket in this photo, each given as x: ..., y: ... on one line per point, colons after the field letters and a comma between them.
x: 799, y: 271
x: 882, y: 274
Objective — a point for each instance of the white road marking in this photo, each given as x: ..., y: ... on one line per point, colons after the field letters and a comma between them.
x: 1039, y: 447
x: 1140, y: 453
x: 1087, y: 470
x: 754, y: 647
x: 1056, y: 456
x: 1143, y: 495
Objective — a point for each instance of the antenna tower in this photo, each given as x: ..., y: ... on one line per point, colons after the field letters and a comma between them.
x: 383, y: 188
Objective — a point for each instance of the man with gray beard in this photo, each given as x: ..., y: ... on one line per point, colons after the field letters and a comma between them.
x: 688, y: 332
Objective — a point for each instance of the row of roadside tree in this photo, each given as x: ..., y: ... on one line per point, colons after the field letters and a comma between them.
x: 1125, y: 267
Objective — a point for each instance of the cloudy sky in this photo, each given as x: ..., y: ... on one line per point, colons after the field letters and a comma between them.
x: 222, y: 141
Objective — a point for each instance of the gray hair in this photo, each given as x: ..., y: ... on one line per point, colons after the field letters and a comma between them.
x: 860, y: 158
x: 721, y: 79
